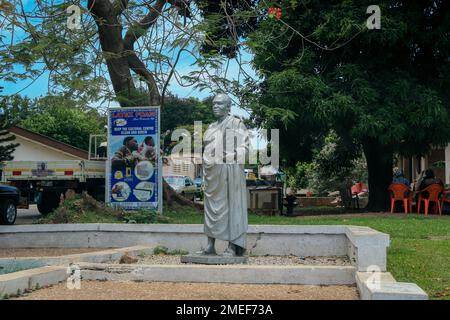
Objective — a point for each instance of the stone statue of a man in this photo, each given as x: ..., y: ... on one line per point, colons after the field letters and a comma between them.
x: 225, y: 197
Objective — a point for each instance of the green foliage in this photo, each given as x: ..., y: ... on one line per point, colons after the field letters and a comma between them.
x: 160, y: 250
x: 48, y: 47
x: 63, y: 119
x: 386, y: 90
x: 335, y: 167
x: 297, y: 177
x: 221, y: 34
x: 179, y: 112
x: 16, y: 108
x: 7, y: 146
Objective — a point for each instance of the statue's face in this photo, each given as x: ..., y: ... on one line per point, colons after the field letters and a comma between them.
x: 221, y: 105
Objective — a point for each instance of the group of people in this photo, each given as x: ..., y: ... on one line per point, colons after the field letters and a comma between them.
x: 131, y: 152
x: 425, y: 179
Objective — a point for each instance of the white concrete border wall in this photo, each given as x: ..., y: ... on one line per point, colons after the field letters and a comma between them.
x: 28, y: 263
x: 367, y: 248
x: 18, y: 282
x: 383, y: 286
x: 243, y: 274
x: 364, y: 246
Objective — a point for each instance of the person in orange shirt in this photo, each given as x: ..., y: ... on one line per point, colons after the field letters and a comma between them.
x: 359, y: 189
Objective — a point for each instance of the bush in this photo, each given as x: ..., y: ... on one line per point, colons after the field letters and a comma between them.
x: 297, y: 178
x: 166, y: 251
x: 76, y: 208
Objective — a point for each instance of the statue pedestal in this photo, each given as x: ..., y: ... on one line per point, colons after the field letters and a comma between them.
x: 212, y: 259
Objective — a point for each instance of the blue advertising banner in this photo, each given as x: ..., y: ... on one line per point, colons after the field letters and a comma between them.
x: 134, y: 171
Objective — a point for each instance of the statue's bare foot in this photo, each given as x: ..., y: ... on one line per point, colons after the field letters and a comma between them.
x: 207, y: 252
x: 210, y: 248
x: 230, y: 251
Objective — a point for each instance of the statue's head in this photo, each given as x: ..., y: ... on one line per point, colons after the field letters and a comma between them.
x: 221, y: 105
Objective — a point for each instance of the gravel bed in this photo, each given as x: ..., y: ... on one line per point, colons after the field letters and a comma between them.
x: 126, y: 290
x: 259, y: 260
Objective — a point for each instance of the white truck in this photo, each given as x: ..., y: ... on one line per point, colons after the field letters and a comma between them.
x: 43, y: 182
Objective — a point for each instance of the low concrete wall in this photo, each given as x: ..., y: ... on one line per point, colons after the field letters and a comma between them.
x: 382, y: 286
x: 17, y: 282
x: 316, y: 201
x: 24, y: 263
x: 365, y: 246
x: 251, y: 274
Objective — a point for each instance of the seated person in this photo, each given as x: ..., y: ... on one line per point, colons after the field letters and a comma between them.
x: 398, y: 177
x: 359, y: 189
x: 429, y: 179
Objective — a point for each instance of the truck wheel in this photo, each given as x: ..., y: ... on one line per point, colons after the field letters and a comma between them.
x: 8, y: 213
x: 49, y: 202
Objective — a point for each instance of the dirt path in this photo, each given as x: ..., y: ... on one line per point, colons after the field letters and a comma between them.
x: 127, y: 290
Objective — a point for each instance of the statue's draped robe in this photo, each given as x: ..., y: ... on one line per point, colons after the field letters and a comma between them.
x: 225, y: 199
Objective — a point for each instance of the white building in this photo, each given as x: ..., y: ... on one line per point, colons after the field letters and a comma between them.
x: 183, y: 166
x: 438, y: 159
x: 37, y: 147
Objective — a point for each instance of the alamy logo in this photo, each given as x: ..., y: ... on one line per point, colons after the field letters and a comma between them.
x: 373, y: 282
x: 74, y: 18
x: 74, y: 278
x: 226, y: 146
x: 374, y: 21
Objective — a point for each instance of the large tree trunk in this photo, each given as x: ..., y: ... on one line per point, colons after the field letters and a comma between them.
x: 379, y: 165
x: 170, y: 196
x: 121, y: 59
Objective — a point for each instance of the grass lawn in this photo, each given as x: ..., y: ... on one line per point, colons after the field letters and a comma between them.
x: 419, y: 251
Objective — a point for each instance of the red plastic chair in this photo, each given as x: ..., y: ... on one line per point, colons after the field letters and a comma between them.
x: 434, y: 190
x: 445, y: 198
x: 397, y: 193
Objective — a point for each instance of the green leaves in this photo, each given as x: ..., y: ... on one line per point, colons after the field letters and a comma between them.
x: 60, y: 118
x: 324, y: 70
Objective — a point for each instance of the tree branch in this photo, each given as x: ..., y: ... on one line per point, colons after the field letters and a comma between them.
x: 139, y: 68
x: 135, y: 31
x: 101, y: 8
